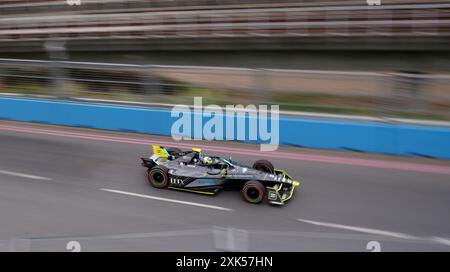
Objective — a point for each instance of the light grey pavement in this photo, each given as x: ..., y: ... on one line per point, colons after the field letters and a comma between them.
x: 51, y: 181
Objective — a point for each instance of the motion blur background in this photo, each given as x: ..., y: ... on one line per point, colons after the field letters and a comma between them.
x: 338, y: 57
x: 350, y: 77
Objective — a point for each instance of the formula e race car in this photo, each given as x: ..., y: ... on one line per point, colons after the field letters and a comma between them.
x: 195, y: 171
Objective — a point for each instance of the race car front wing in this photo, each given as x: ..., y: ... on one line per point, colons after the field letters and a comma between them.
x: 280, y: 193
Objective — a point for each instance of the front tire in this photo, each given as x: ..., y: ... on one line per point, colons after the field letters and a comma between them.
x: 158, y: 176
x: 253, y: 192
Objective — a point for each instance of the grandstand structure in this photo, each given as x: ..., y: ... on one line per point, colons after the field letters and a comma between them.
x: 329, y: 55
x: 191, y: 24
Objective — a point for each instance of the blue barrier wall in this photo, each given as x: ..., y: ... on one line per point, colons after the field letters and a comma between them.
x: 399, y: 139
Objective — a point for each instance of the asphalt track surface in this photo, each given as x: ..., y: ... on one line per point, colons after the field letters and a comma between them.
x: 60, y: 184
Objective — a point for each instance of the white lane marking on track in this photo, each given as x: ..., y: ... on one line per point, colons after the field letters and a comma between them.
x: 400, y: 235
x: 23, y: 175
x: 360, y: 229
x: 167, y: 200
x: 441, y: 240
x: 174, y: 233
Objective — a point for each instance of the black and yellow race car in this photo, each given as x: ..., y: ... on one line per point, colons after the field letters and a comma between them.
x: 195, y: 171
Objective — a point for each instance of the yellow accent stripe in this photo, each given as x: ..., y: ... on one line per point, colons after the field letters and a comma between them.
x: 294, y: 185
x: 283, y: 172
x: 291, y: 193
x: 189, y: 190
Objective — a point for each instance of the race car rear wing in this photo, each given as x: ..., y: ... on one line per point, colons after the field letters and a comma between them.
x: 149, y: 163
x: 160, y: 151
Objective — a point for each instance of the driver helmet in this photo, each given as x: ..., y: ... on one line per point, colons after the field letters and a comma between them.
x: 207, y: 160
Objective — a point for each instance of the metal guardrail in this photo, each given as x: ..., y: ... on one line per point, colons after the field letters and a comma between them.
x: 390, y: 93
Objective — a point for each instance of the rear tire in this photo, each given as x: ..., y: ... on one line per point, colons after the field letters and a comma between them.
x: 264, y: 165
x: 253, y: 192
x: 158, y: 176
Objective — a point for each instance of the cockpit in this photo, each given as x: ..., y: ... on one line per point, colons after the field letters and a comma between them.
x: 202, y: 159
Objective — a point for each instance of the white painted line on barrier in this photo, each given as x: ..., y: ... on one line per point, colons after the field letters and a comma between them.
x: 23, y: 175
x: 167, y: 200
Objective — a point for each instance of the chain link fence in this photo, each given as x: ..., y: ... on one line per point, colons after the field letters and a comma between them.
x: 402, y: 94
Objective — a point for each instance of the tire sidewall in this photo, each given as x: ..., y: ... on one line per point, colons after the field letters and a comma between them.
x: 153, y: 182
x: 256, y: 185
x: 268, y: 167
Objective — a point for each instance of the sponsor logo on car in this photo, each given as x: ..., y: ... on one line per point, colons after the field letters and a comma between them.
x: 272, y: 196
x: 176, y: 180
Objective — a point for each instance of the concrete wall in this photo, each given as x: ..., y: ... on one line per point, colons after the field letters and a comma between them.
x: 399, y: 139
